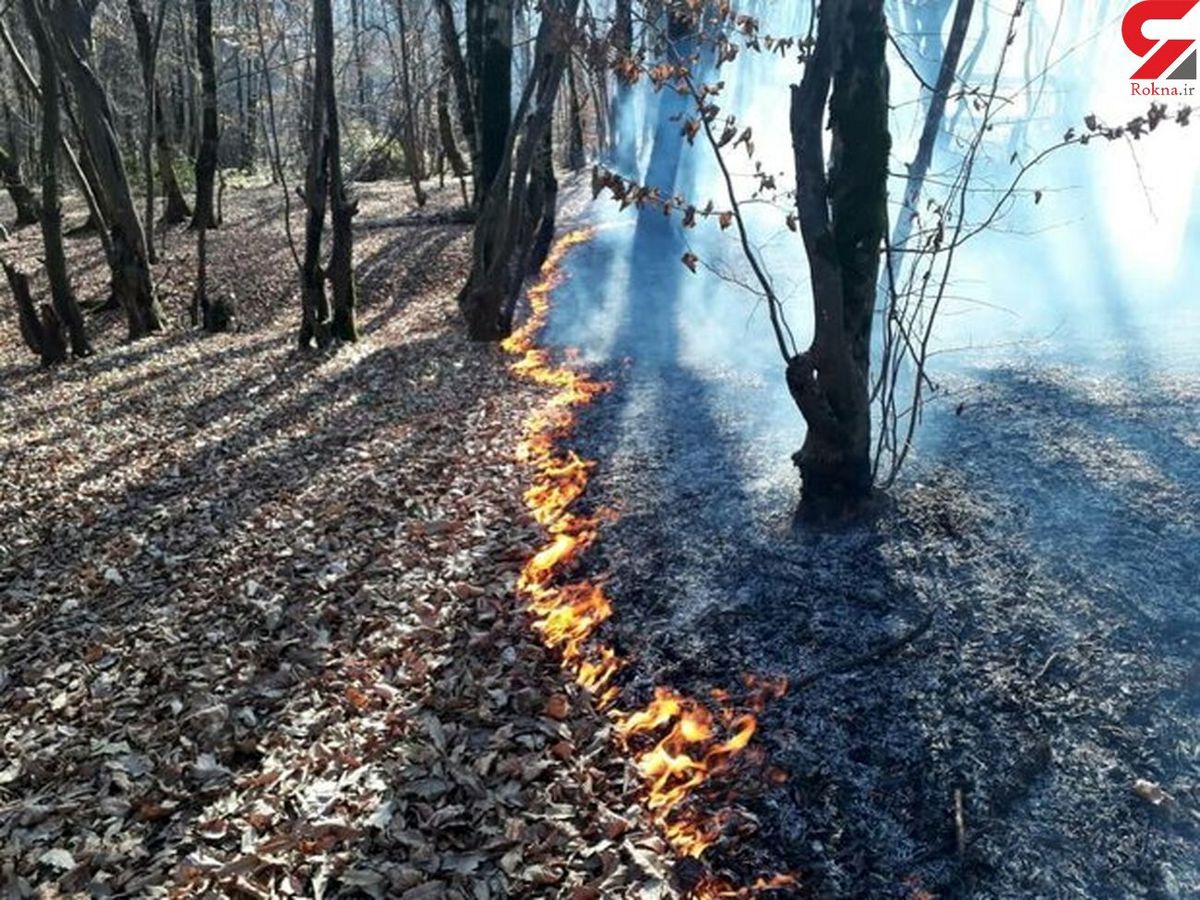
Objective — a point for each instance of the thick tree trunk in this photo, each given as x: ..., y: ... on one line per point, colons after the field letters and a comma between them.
x: 503, y: 245
x: 843, y: 220
x: 101, y: 213
x: 543, y: 203
x: 210, y: 136
x: 61, y: 293
x: 494, y: 89
x: 27, y: 320
x: 22, y: 197
x: 132, y: 281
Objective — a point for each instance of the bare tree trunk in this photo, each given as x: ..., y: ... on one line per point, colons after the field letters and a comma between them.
x: 27, y: 320
x: 412, y: 150
x: 316, y: 324
x: 543, y: 203
x: 22, y: 197
x: 102, y: 213
x: 148, y: 37
x: 341, y: 257
x: 494, y: 89
x: 843, y: 218
x: 273, y: 149
x: 132, y: 281
x: 575, y: 152
x: 919, y: 167
x: 81, y: 178
x: 503, y: 246
x: 452, y: 57
x: 176, y: 209
x: 449, y: 148
x: 61, y: 293
x: 44, y: 337
x: 210, y: 135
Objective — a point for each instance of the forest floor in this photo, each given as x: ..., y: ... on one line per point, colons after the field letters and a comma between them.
x: 258, y: 634
x: 994, y: 681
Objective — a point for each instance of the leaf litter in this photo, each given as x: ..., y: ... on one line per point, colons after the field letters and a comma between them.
x: 258, y: 634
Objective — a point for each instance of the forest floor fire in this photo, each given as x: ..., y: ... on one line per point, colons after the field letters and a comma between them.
x: 681, y: 745
x: 983, y: 678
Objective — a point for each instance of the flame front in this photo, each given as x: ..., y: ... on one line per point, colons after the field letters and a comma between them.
x: 677, y: 743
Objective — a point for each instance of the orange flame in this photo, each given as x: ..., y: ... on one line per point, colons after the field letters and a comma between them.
x: 677, y: 743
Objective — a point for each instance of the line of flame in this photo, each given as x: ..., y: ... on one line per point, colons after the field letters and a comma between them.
x: 677, y: 743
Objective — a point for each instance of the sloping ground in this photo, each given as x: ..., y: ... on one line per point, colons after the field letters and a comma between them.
x: 257, y: 627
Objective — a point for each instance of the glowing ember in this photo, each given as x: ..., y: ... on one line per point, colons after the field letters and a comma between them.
x: 678, y: 743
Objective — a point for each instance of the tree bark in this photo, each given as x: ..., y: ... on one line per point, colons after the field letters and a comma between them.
x: 45, y: 336
x: 503, y: 241
x: 575, y: 151
x: 450, y: 152
x: 842, y: 219
x: 148, y: 37
x: 210, y: 135
x: 324, y: 177
x: 342, y: 211
x: 66, y: 306
x: 494, y: 88
x: 132, y: 281
x: 176, y: 209
x: 22, y: 197
x: 452, y: 57
x: 412, y: 150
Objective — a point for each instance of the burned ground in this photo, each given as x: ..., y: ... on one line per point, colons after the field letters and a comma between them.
x: 1017, y: 627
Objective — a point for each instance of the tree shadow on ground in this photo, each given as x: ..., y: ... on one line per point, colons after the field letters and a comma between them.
x: 239, y: 555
